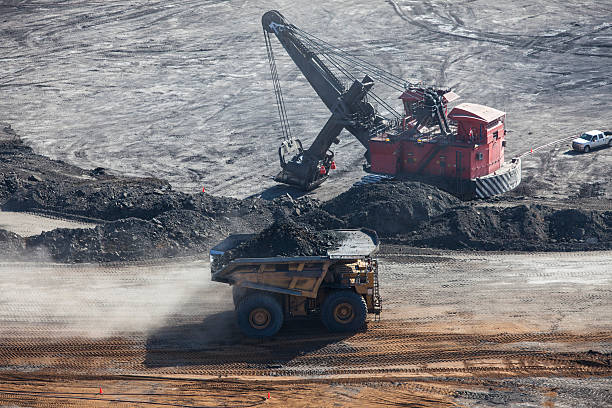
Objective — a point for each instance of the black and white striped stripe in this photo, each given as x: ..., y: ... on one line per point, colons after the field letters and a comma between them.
x: 499, y: 183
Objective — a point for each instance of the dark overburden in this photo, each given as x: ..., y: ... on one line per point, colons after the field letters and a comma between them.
x: 142, y: 218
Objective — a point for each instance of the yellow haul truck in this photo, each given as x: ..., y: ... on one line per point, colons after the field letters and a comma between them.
x: 340, y: 287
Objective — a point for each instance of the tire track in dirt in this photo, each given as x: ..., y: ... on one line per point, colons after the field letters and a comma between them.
x: 383, y: 348
x: 550, y: 43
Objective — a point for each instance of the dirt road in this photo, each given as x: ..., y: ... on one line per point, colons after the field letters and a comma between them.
x: 477, y: 330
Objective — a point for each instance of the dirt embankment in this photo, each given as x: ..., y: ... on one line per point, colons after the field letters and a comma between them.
x: 420, y: 215
x: 145, y: 218
x: 139, y: 217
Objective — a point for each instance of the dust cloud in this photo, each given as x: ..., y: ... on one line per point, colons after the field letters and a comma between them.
x: 46, y: 299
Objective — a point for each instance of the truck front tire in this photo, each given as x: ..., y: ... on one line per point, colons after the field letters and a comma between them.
x: 259, y: 315
x: 587, y: 149
x: 344, y: 311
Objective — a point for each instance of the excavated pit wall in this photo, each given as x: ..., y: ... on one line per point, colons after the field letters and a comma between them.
x: 143, y: 218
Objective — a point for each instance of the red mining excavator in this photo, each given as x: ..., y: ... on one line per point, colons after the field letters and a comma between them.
x: 461, y: 151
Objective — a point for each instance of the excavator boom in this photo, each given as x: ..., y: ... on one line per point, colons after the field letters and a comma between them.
x: 349, y: 108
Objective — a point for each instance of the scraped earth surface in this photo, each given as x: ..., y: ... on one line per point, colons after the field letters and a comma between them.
x: 177, y: 96
x: 474, y: 329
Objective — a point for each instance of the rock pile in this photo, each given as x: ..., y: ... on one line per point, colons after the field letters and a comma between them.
x: 518, y: 228
x: 12, y: 245
x: 390, y: 207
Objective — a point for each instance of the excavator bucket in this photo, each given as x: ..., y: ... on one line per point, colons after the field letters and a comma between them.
x: 294, y: 176
x: 299, y: 169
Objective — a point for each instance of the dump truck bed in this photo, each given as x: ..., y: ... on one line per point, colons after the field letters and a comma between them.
x: 351, y: 245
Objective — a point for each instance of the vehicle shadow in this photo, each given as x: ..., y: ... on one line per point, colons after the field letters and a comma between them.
x: 216, y: 340
x: 572, y: 152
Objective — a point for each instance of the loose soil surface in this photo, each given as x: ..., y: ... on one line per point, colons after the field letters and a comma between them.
x: 475, y: 329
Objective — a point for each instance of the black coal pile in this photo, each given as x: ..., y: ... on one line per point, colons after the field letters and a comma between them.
x: 591, y: 227
x: 114, y: 199
x: 390, y: 207
x: 171, y: 234
x: 12, y: 245
x: 320, y: 219
x: 283, y: 238
x: 147, y: 218
x: 31, y: 182
x: 520, y: 228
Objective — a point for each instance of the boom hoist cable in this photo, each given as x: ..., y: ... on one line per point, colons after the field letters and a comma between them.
x: 344, y: 62
x: 278, y: 92
x: 337, y: 58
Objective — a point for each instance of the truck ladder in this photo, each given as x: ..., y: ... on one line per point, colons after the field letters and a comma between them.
x: 376, y: 295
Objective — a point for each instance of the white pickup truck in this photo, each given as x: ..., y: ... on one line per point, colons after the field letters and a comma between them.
x: 592, y: 139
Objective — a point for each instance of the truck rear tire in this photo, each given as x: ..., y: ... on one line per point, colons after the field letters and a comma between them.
x: 344, y: 311
x: 259, y: 315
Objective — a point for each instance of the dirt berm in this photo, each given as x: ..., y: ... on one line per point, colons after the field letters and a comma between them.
x: 520, y: 228
x: 421, y: 215
x: 11, y: 244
